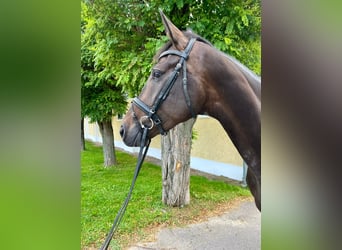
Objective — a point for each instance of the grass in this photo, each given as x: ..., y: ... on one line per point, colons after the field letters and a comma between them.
x: 103, y: 191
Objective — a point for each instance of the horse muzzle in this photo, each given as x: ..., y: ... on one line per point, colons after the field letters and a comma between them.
x: 130, y: 136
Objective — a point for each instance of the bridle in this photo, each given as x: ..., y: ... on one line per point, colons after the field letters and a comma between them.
x: 151, y: 111
x: 151, y: 115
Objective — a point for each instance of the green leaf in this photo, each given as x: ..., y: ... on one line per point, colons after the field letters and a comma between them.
x: 244, y: 20
x: 227, y: 40
x: 179, y: 4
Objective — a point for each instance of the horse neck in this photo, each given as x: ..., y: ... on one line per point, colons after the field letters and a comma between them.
x: 234, y: 103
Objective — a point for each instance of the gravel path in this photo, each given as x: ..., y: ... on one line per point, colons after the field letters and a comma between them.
x: 237, y: 229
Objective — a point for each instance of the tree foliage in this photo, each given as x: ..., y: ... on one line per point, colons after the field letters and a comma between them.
x: 101, y: 96
x: 232, y: 26
x: 127, y: 34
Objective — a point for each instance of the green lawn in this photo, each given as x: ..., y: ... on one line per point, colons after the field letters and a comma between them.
x: 103, y: 190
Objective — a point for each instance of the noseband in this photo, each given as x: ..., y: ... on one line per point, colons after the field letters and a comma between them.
x: 151, y: 112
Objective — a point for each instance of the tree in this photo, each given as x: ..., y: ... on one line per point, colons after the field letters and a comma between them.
x: 101, y: 98
x: 176, y: 148
x: 82, y: 134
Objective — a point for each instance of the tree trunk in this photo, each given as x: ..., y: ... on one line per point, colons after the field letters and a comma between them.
x: 106, y: 130
x: 82, y: 135
x: 176, y: 148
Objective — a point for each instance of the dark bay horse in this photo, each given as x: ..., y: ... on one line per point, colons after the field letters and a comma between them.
x: 192, y: 77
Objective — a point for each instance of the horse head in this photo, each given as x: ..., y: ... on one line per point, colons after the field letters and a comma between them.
x: 172, y: 93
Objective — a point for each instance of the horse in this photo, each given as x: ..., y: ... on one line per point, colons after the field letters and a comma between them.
x: 213, y: 84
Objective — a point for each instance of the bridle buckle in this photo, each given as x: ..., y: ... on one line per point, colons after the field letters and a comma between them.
x: 141, y: 121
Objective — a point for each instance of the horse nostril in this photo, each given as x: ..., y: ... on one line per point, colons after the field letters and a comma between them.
x: 122, y: 131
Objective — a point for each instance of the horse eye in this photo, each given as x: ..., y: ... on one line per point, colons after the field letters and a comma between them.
x: 156, y: 73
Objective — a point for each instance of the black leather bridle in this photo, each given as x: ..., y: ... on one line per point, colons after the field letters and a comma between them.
x: 151, y: 115
x: 151, y: 111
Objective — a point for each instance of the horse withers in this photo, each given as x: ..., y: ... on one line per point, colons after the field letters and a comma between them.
x: 192, y: 77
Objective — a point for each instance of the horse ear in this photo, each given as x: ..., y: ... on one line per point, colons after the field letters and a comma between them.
x: 176, y: 36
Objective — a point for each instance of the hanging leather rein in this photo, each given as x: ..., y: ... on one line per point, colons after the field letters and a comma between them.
x: 151, y: 112
x: 145, y: 142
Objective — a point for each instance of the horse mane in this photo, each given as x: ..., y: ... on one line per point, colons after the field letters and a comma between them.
x: 242, y: 67
x: 253, y: 79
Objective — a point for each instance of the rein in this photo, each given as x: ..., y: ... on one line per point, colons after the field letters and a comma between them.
x: 141, y: 157
x: 151, y: 112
